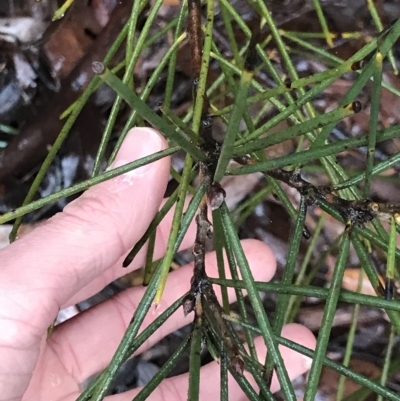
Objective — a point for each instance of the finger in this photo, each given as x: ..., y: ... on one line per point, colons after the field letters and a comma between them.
x: 295, y: 363
x: 176, y: 388
x: 99, y: 330
x: 56, y: 260
x: 116, y: 271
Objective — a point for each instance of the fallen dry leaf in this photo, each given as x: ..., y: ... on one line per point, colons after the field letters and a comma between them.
x: 351, y: 277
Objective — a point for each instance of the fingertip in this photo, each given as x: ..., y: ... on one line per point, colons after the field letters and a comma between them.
x: 303, y: 336
x: 261, y: 259
x: 299, y: 333
x: 139, y: 142
x: 295, y: 362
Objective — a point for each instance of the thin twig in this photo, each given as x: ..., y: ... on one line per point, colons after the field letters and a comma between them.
x: 202, y: 292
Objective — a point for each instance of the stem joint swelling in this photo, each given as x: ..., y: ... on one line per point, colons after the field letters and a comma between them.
x: 354, y: 213
x: 202, y: 299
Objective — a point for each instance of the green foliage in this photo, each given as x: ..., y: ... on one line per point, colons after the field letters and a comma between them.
x: 293, y: 104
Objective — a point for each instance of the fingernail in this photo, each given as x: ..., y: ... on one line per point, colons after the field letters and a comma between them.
x: 139, y: 142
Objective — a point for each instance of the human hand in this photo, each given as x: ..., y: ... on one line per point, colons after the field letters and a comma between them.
x: 74, y: 255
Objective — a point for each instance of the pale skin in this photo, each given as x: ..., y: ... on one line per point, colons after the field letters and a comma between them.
x: 74, y: 255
